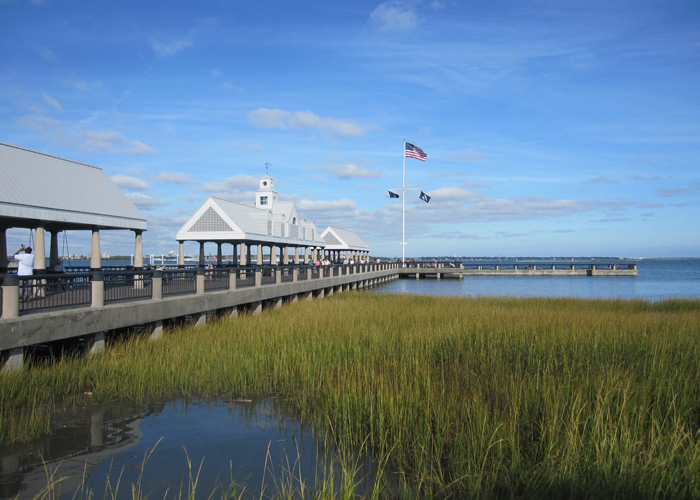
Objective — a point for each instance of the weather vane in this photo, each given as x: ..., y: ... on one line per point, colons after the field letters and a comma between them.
x: 267, y: 166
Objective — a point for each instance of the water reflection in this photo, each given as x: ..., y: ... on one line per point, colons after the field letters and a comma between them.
x: 259, y: 444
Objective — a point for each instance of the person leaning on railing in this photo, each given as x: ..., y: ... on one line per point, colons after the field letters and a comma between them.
x: 25, y: 268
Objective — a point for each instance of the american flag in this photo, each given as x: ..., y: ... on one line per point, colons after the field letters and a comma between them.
x: 415, y: 152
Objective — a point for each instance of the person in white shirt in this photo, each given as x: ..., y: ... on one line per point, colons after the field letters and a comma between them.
x: 25, y: 268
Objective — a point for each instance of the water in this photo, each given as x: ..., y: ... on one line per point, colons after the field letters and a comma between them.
x: 256, y: 442
x: 657, y: 280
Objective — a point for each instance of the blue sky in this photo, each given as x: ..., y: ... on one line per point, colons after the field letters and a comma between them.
x: 551, y: 128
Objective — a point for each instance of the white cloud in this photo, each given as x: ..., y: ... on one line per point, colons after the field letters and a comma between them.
x: 71, y: 135
x: 467, y: 155
x: 236, y: 188
x: 145, y: 202
x: 174, y: 178
x: 134, y: 183
x: 291, y: 120
x: 351, y: 171
x: 326, y: 206
x: 170, y: 48
x: 394, y: 16
x: 53, y: 103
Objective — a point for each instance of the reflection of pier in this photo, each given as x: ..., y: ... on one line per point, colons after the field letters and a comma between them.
x: 85, y: 437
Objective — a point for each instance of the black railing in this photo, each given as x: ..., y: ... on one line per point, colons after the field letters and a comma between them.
x: 245, y: 276
x: 181, y: 282
x: 302, y: 273
x: 54, y: 291
x: 268, y: 276
x: 287, y: 274
x: 315, y: 272
x: 216, y: 279
x: 127, y: 286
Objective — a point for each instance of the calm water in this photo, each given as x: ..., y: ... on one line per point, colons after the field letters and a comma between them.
x: 657, y: 280
x: 255, y: 443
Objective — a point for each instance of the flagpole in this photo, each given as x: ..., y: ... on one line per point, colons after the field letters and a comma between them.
x: 403, y: 210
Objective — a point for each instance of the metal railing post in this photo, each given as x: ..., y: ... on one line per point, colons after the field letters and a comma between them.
x: 157, y: 283
x: 97, y: 287
x: 10, y: 296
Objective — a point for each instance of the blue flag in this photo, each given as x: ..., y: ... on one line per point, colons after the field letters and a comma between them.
x: 424, y: 197
x: 393, y: 195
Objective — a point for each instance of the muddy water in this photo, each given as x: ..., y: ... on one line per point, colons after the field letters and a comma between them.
x: 101, y: 447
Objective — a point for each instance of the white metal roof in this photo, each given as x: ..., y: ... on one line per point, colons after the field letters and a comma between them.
x: 223, y: 220
x: 342, y: 239
x: 64, y: 193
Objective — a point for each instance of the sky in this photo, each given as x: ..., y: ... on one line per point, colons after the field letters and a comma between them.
x: 551, y: 128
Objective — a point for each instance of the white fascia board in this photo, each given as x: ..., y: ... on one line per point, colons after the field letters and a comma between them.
x: 51, y: 215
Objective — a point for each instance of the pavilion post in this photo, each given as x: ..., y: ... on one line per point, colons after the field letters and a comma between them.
x: 201, y: 254
x: 273, y: 255
x: 260, y: 254
x: 234, y: 256
x: 3, y: 250
x: 138, y: 249
x: 285, y: 256
x: 296, y: 255
x: 219, y: 255
x: 39, y: 251
x: 244, y: 254
x: 248, y: 253
x: 53, y: 249
x: 180, y: 254
x: 95, y: 257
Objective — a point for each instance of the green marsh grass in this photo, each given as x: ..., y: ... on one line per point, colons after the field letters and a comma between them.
x: 460, y: 397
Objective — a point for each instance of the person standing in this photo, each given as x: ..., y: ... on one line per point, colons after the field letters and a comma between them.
x: 25, y: 268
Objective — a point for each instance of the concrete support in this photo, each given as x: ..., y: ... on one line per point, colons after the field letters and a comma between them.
x: 13, y: 359
x: 201, y: 320
x: 3, y: 250
x: 157, y: 285
x: 180, y: 253
x: 329, y: 292
x: 244, y: 255
x: 157, y: 330
x: 306, y: 255
x: 201, y: 254
x: 200, y: 281
x: 321, y: 293
x: 309, y: 295
x: 256, y: 308
x: 260, y: 255
x: 258, y: 277
x: 94, y: 343
x: 97, y: 284
x: 295, y: 298
x: 296, y: 255
x: 285, y: 256
x: 53, y: 248
x: 314, y: 255
x: 10, y: 296
x: 234, y: 312
x: 96, y: 423
x: 138, y: 249
x: 295, y: 275
x: 232, y: 277
x: 39, y: 251
x: 273, y: 255
x: 95, y: 257
x: 277, y: 302
x: 278, y: 276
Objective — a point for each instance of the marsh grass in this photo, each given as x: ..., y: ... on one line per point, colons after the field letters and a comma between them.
x: 462, y: 397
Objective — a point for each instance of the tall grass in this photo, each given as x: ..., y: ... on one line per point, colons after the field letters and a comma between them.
x: 475, y: 397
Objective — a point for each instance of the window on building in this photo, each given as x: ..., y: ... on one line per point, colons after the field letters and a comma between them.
x: 263, y: 200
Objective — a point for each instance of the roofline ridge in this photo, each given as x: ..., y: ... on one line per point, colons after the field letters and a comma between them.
x: 50, y: 156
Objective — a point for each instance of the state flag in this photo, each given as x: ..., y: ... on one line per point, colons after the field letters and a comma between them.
x: 393, y: 195
x: 424, y: 197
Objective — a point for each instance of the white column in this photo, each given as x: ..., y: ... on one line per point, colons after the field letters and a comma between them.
x: 285, y: 256
x: 95, y: 259
x: 244, y: 254
x: 138, y: 249
x: 180, y: 253
x: 39, y: 251
x: 296, y: 255
x: 273, y: 255
x: 260, y: 254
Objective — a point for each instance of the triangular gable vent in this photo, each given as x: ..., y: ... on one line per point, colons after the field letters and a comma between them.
x: 331, y: 239
x: 210, y: 221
